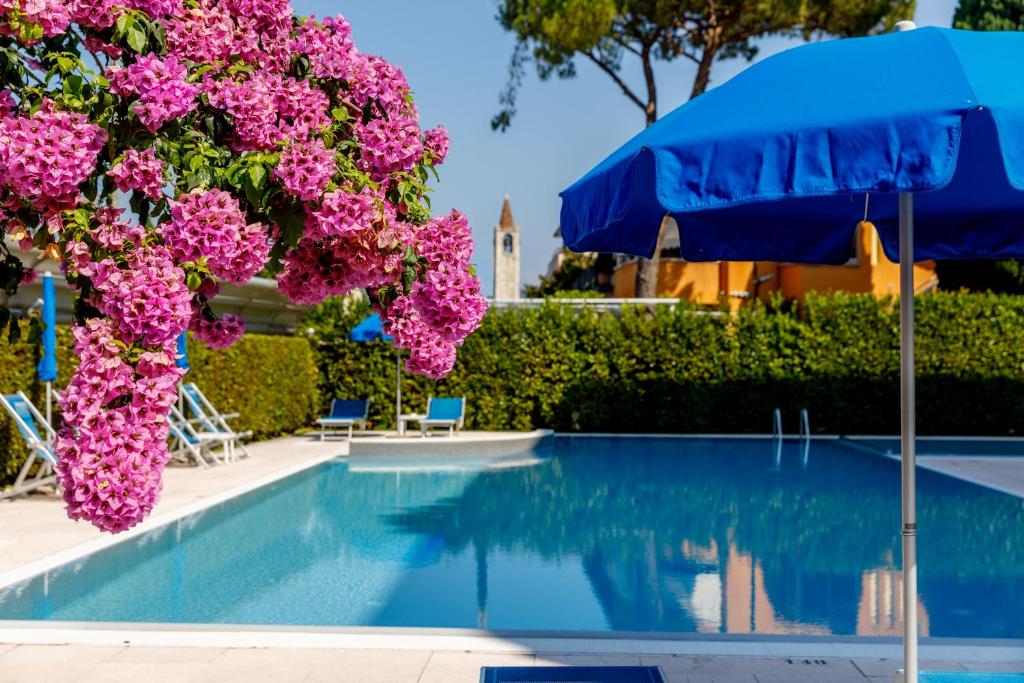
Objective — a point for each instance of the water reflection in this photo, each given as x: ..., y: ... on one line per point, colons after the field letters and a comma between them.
x: 601, y: 534
x: 723, y: 537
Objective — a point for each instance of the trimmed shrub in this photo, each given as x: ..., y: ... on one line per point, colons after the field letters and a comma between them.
x: 686, y: 370
x: 271, y: 381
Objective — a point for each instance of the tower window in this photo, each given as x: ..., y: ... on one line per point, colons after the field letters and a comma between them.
x: 506, y: 244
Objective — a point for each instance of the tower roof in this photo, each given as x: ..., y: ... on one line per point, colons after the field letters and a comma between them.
x: 506, y: 215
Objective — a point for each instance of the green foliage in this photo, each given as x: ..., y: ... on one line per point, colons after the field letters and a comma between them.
x: 270, y: 381
x: 686, y: 370
x: 553, y: 34
x: 565, y: 278
x: 989, y: 15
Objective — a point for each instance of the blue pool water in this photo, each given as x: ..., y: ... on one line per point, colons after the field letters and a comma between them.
x: 681, y: 535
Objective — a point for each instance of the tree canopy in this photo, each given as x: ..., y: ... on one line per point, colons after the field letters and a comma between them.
x: 989, y: 15
x: 556, y: 34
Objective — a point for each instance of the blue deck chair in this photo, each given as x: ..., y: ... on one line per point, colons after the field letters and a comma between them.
x: 210, y: 421
x: 28, y: 421
x: 195, y: 444
x: 447, y: 413
x: 345, y: 414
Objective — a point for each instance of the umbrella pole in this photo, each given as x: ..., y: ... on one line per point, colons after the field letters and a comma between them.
x: 398, y: 392
x: 49, y: 403
x: 908, y: 421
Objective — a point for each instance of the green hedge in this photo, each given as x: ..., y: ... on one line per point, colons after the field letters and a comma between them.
x: 685, y: 370
x: 270, y: 381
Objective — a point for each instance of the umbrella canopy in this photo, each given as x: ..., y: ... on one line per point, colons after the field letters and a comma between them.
x: 781, y: 162
x: 47, y: 368
x: 774, y: 164
x: 183, y: 351
x: 371, y: 328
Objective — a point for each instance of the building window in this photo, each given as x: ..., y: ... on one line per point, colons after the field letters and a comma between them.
x: 506, y: 244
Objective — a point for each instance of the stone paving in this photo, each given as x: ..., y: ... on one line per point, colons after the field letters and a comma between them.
x: 112, y: 664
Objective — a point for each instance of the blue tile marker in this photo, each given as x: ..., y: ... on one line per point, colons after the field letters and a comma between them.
x: 571, y: 674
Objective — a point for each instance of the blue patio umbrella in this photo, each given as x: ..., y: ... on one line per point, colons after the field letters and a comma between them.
x: 781, y: 162
x: 182, y: 360
x: 47, y: 368
x: 371, y: 328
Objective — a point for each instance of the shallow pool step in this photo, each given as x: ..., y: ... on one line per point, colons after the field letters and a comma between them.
x: 571, y: 674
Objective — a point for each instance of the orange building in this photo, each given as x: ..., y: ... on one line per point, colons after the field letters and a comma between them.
x: 869, y: 271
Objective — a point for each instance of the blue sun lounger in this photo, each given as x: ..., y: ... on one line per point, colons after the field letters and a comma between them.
x: 345, y: 414
x: 28, y: 420
x: 446, y: 413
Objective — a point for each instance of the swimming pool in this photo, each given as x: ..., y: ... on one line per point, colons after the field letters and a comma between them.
x: 594, y: 534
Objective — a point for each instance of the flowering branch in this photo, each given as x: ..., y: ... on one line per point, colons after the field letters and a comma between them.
x: 214, y: 140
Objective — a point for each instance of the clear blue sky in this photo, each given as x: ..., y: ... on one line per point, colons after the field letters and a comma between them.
x: 455, y: 56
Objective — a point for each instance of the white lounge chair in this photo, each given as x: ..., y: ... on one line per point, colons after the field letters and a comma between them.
x: 211, y: 421
x: 446, y: 413
x: 28, y: 421
x: 345, y: 414
x: 195, y: 444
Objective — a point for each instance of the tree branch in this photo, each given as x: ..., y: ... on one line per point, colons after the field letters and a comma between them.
x: 627, y: 91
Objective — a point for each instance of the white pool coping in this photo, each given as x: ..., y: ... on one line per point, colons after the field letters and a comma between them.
x: 532, y: 642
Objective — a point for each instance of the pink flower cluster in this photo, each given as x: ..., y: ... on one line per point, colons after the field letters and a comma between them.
x: 44, y: 157
x: 210, y: 225
x: 450, y: 302
x: 368, y: 258
x: 164, y: 93
x: 390, y: 146
x: 145, y: 296
x: 7, y: 104
x: 437, y: 143
x: 52, y: 16
x: 329, y: 47
x: 257, y: 31
x: 305, y: 169
x: 447, y: 239
x: 446, y: 307
x: 343, y: 214
x: 374, y: 79
x: 111, y: 233
x: 112, y: 448
x: 140, y: 171
x: 218, y: 334
x: 203, y: 33
x: 268, y: 108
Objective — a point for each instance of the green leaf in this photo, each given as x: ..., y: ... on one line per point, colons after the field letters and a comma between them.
x: 257, y: 176
x: 137, y: 38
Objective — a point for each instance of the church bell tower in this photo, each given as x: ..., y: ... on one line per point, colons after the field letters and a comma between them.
x: 506, y: 255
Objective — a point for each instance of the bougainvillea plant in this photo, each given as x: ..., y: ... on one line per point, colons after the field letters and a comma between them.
x: 160, y: 148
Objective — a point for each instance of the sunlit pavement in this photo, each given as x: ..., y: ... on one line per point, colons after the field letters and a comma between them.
x: 98, y: 664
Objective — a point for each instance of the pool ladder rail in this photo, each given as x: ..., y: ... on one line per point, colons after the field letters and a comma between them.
x: 804, y: 436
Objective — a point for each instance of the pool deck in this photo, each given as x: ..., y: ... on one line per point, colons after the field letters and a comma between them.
x: 1001, y: 473
x: 35, y: 534
x: 115, y: 664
